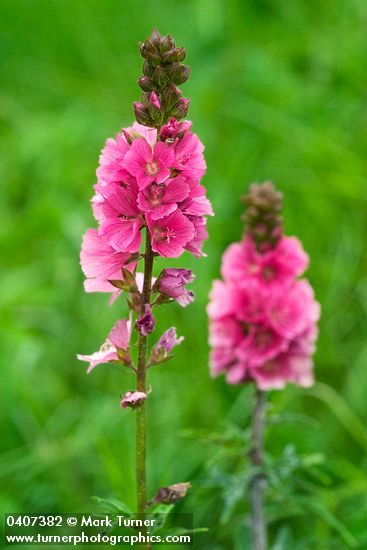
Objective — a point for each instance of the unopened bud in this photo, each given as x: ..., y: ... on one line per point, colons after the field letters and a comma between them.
x: 146, y: 83
x: 142, y: 114
x: 181, y: 108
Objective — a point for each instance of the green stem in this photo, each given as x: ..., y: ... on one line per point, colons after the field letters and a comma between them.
x: 141, y: 375
x: 258, y: 482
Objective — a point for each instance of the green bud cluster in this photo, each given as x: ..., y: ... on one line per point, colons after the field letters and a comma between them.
x: 163, y: 71
x: 263, y: 220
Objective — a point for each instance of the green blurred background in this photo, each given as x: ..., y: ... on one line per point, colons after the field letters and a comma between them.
x: 278, y: 91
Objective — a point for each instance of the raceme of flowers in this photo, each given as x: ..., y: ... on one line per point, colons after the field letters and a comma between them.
x: 262, y: 316
x: 148, y: 181
x: 145, y: 182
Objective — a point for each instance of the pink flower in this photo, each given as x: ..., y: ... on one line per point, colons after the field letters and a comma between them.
x: 122, y: 219
x: 262, y: 319
x: 174, y: 129
x: 98, y: 259
x: 110, y: 168
x: 115, y: 349
x: 286, y: 261
x: 197, y: 204
x: 160, y: 199
x: 195, y: 245
x: 172, y: 283
x: 189, y: 159
x: 170, y: 234
x: 101, y: 263
x: 148, y: 163
x: 260, y: 345
x: 146, y: 322
x: 133, y: 399
x: 139, y: 131
x: 222, y: 300
x: 164, y: 346
x: 290, y: 312
x: 154, y: 100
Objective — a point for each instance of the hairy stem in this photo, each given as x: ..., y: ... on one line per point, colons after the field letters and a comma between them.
x: 141, y: 415
x: 258, y: 482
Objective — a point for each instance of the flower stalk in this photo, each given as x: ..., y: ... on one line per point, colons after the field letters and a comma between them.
x: 148, y: 187
x: 141, y: 385
x: 258, y: 481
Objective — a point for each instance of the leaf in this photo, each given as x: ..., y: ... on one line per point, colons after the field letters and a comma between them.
x: 283, y: 539
x: 112, y: 505
x: 324, y: 514
x: 346, y: 416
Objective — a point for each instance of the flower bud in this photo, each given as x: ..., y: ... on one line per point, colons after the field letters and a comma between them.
x: 177, y: 54
x: 172, y: 282
x: 160, y: 77
x: 133, y: 399
x: 171, y: 494
x: 146, y: 322
x: 177, y: 73
x: 142, y: 114
x: 167, y: 44
x: 170, y: 96
x: 146, y: 83
x: 162, y: 348
x: 154, y: 100
x: 262, y: 218
x: 181, y: 108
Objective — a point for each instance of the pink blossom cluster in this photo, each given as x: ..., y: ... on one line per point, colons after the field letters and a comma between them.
x: 262, y: 317
x: 151, y: 180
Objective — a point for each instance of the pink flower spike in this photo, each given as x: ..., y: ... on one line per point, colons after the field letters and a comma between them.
x: 133, y: 399
x: 170, y: 234
x: 263, y: 320
x: 160, y: 200
x: 149, y: 164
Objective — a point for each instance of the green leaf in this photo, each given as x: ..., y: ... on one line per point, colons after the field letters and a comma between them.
x: 112, y: 505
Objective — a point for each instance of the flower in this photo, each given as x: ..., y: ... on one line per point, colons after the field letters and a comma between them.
x: 286, y: 261
x: 170, y: 234
x: 195, y: 245
x: 263, y: 319
x: 115, y: 349
x: 122, y: 219
x: 146, y: 322
x: 133, y: 399
x: 172, y: 283
x: 98, y: 259
x: 161, y: 199
x: 162, y: 348
x: 110, y: 170
x: 148, y: 163
x: 154, y: 100
x: 101, y: 263
x: 174, y: 129
x: 189, y: 159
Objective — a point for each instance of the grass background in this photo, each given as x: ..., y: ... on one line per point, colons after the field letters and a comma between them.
x: 278, y: 91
